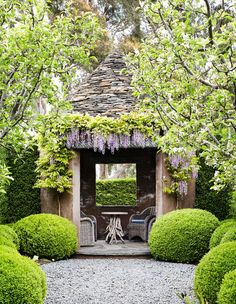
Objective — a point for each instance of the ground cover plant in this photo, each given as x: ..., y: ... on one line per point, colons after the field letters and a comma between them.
x: 211, y: 270
x: 182, y: 235
x: 47, y: 236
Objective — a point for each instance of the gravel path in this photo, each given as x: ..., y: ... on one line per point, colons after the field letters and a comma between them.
x: 117, y: 281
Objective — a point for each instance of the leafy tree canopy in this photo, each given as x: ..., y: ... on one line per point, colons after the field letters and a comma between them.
x: 40, y: 55
x: 185, y: 71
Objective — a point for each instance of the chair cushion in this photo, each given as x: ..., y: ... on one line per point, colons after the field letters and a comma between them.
x: 137, y: 221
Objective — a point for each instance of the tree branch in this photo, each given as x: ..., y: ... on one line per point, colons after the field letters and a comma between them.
x: 7, y: 83
x: 6, y: 130
x: 188, y: 70
x: 210, y: 28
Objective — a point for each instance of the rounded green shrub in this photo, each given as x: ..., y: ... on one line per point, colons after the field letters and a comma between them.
x: 219, y: 233
x: 47, y: 236
x: 182, y: 235
x: 10, y: 234
x: 229, y: 236
x: 211, y: 270
x: 227, y: 294
x: 6, y: 242
x: 7, y: 249
x: 21, y: 281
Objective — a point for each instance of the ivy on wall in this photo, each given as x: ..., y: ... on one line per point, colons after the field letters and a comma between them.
x: 56, y: 133
x: 116, y: 192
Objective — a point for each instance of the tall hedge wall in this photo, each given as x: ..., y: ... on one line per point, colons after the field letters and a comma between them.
x: 21, y: 198
x: 217, y: 203
x: 118, y: 192
x: 3, y: 156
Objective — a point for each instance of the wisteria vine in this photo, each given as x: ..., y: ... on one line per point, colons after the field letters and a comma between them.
x: 79, y: 139
x: 182, y: 169
x: 59, y: 136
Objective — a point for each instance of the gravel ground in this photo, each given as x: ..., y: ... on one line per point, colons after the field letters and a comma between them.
x: 117, y: 281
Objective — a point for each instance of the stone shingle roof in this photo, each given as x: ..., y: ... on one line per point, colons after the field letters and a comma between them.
x: 107, y: 91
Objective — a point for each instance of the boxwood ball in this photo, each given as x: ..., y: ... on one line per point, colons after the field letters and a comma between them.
x: 227, y: 294
x: 212, y: 269
x: 10, y: 234
x: 182, y: 235
x: 219, y: 233
x: 22, y: 281
x: 47, y: 236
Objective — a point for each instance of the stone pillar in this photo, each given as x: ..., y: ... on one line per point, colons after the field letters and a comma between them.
x: 188, y: 200
x: 49, y: 201
x: 65, y: 204
x: 168, y: 202
x: 164, y: 202
x: 76, y: 190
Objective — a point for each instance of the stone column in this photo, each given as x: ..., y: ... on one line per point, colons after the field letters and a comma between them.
x: 76, y: 190
x: 187, y: 201
x: 168, y: 202
x: 164, y: 202
x: 65, y: 204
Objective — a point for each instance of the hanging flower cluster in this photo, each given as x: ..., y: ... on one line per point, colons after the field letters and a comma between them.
x: 181, y: 171
x: 79, y: 139
x: 60, y: 134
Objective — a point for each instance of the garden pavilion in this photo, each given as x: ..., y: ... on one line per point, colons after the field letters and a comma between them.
x: 107, y: 92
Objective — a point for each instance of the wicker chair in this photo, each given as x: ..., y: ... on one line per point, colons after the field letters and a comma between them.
x: 138, y: 223
x: 88, y: 229
x: 151, y: 222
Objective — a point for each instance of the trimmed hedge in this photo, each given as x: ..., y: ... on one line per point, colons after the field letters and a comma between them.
x: 182, y: 235
x: 220, y: 232
x: 10, y: 234
x: 116, y: 192
x: 211, y: 270
x: 21, y: 198
x: 215, y: 202
x: 7, y: 249
x: 7, y: 242
x: 22, y: 281
x: 229, y: 236
x: 227, y: 294
x: 47, y: 236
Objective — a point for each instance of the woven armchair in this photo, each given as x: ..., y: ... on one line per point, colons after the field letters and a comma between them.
x: 88, y: 229
x: 139, y: 223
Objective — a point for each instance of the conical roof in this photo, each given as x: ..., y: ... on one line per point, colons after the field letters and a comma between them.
x: 107, y: 91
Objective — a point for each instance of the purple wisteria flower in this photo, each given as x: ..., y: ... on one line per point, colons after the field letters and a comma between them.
x: 95, y: 142
x: 138, y: 139
x: 194, y: 174
x: 111, y: 143
x: 101, y: 141
x: 72, y: 138
x: 183, y: 188
x: 175, y: 161
x: 125, y: 140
